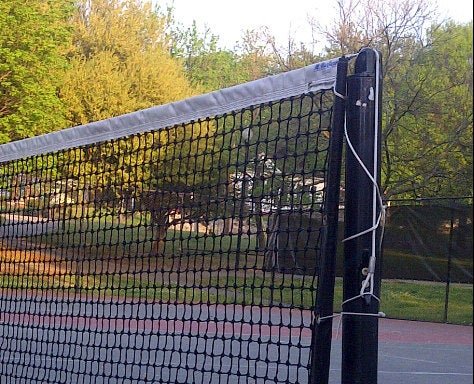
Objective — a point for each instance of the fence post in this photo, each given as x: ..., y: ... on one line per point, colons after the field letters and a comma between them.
x: 360, y: 332
x: 448, y: 272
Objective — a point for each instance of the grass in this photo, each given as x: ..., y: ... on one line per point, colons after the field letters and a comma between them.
x: 413, y: 266
x: 425, y: 301
x: 400, y: 299
x: 135, y: 238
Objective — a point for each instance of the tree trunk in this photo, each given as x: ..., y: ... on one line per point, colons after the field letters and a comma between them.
x: 159, y: 240
x: 227, y: 228
x: 259, y: 186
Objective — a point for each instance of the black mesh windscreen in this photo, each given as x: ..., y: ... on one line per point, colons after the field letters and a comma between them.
x: 182, y: 255
x: 429, y: 240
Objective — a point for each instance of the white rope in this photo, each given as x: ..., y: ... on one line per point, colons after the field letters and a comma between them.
x: 340, y: 95
x: 343, y: 313
x: 378, y: 221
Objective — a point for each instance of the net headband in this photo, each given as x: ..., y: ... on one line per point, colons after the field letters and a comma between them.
x: 297, y: 82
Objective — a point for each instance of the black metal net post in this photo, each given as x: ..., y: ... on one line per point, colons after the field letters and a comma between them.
x: 322, y: 333
x: 360, y: 309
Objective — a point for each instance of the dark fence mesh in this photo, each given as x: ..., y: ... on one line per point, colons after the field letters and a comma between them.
x: 182, y: 255
x: 429, y: 240
x: 425, y: 239
x: 427, y: 259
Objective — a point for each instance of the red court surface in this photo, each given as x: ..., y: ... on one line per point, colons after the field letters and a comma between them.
x: 423, y: 332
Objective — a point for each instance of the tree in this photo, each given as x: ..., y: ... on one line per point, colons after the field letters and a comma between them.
x: 429, y: 149
x: 33, y: 38
x: 208, y: 67
x: 283, y: 57
x: 427, y: 115
x: 119, y: 61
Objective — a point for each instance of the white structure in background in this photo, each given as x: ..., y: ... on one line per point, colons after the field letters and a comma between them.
x: 302, y: 191
x: 59, y: 194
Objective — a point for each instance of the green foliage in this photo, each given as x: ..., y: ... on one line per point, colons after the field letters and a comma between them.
x: 144, y: 161
x: 256, y: 54
x: 207, y: 66
x: 33, y: 37
x: 119, y: 61
x: 427, y: 100
x: 429, y: 145
x: 110, y: 57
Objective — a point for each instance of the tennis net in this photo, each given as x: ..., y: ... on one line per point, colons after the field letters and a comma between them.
x: 176, y: 244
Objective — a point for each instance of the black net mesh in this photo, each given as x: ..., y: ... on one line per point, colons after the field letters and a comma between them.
x: 182, y: 255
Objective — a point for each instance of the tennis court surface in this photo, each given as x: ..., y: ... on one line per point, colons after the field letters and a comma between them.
x: 52, y: 341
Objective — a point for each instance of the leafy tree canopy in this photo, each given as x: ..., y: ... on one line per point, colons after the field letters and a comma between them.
x: 427, y: 100
x: 119, y: 61
x: 33, y: 38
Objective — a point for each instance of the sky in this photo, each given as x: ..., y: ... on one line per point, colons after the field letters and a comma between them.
x: 228, y: 19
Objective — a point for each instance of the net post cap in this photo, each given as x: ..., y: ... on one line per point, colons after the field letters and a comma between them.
x: 366, y: 61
